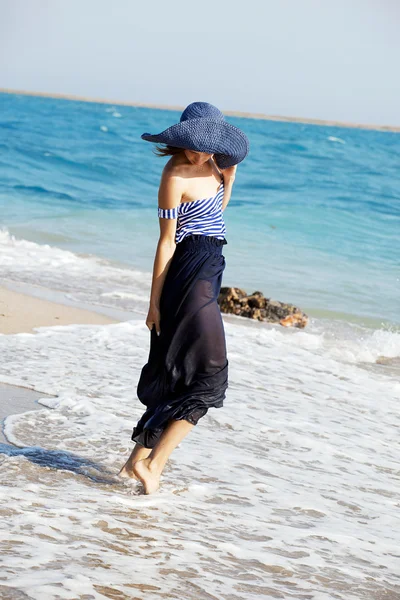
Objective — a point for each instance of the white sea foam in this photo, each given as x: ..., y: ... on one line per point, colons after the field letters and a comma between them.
x: 367, y: 347
x: 289, y: 491
x: 83, y: 278
x: 332, y: 138
x: 122, y: 294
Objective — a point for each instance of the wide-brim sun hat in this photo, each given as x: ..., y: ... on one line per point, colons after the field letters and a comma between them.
x: 203, y: 128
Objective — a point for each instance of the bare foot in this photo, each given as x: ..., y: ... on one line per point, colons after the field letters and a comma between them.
x: 127, y: 469
x: 149, y: 478
x: 126, y: 472
x: 138, y: 453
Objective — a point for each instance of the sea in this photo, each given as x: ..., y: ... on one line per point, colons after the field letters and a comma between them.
x: 292, y: 489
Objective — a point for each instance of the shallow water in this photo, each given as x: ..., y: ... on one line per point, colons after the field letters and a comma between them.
x: 290, y: 491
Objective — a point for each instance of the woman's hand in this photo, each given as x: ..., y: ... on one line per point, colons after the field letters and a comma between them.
x: 153, y: 318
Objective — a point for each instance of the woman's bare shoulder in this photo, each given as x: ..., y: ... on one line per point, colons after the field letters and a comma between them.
x: 175, y: 168
x: 172, y: 183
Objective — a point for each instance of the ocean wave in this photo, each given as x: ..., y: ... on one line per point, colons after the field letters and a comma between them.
x: 332, y: 138
x: 98, y: 281
x: 361, y: 345
x: 82, y: 167
x: 36, y: 189
x: 9, y: 124
x: 84, y: 278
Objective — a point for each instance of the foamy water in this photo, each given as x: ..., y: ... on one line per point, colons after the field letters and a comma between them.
x: 82, y: 278
x: 289, y: 491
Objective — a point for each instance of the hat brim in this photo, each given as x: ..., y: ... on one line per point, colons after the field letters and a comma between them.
x: 228, y: 143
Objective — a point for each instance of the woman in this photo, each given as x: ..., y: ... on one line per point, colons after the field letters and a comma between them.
x: 187, y: 368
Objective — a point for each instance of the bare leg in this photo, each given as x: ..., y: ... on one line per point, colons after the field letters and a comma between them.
x: 148, y: 470
x: 138, y: 453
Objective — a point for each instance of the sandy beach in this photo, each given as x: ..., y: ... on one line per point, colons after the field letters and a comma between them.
x: 246, y: 115
x: 21, y: 313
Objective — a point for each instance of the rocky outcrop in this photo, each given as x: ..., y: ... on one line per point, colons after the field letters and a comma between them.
x: 255, y: 306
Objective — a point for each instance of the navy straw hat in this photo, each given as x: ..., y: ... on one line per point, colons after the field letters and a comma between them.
x: 203, y: 128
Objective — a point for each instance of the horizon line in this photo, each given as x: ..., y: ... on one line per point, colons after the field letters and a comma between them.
x: 232, y: 113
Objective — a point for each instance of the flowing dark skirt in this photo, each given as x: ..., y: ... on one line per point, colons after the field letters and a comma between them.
x: 187, y: 368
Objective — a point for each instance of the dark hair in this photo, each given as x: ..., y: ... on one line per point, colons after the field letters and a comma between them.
x: 166, y: 150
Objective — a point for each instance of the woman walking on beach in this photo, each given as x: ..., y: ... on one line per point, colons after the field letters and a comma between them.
x: 187, y: 369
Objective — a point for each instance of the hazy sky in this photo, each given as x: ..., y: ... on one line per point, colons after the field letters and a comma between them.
x: 332, y: 59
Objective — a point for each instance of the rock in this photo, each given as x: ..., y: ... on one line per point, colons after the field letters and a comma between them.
x: 256, y: 300
x: 235, y: 301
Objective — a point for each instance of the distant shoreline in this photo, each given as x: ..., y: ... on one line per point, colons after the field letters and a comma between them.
x: 245, y: 115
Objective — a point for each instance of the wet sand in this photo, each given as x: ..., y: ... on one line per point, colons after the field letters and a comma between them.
x: 15, y: 400
x: 21, y: 313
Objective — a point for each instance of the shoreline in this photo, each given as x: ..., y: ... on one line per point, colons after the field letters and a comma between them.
x: 21, y: 312
x: 16, y: 400
x: 61, y: 302
x: 61, y: 298
x: 118, y: 315
x: 24, y: 308
x: 240, y: 114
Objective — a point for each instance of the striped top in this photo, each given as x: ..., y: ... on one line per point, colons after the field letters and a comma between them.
x: 198, y: 217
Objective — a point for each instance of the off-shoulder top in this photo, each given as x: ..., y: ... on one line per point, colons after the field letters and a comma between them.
x: 199, y: 217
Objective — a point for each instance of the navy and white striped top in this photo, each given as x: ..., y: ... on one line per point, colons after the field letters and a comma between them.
x: 199, y: 217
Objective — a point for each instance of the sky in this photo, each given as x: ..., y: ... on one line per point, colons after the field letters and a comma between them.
x: 321, y: 59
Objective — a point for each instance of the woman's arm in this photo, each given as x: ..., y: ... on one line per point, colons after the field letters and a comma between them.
x: 169, y: 197
x: 229, y: 178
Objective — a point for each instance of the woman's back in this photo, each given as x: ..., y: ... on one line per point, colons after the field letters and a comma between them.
x: 202, y: 215
x: 198, y: 217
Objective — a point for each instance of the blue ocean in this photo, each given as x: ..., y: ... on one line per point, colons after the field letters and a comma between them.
x: 291, y: 490
x: 314, y: 217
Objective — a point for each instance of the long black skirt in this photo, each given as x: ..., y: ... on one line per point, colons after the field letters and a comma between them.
x: 187, y: 368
